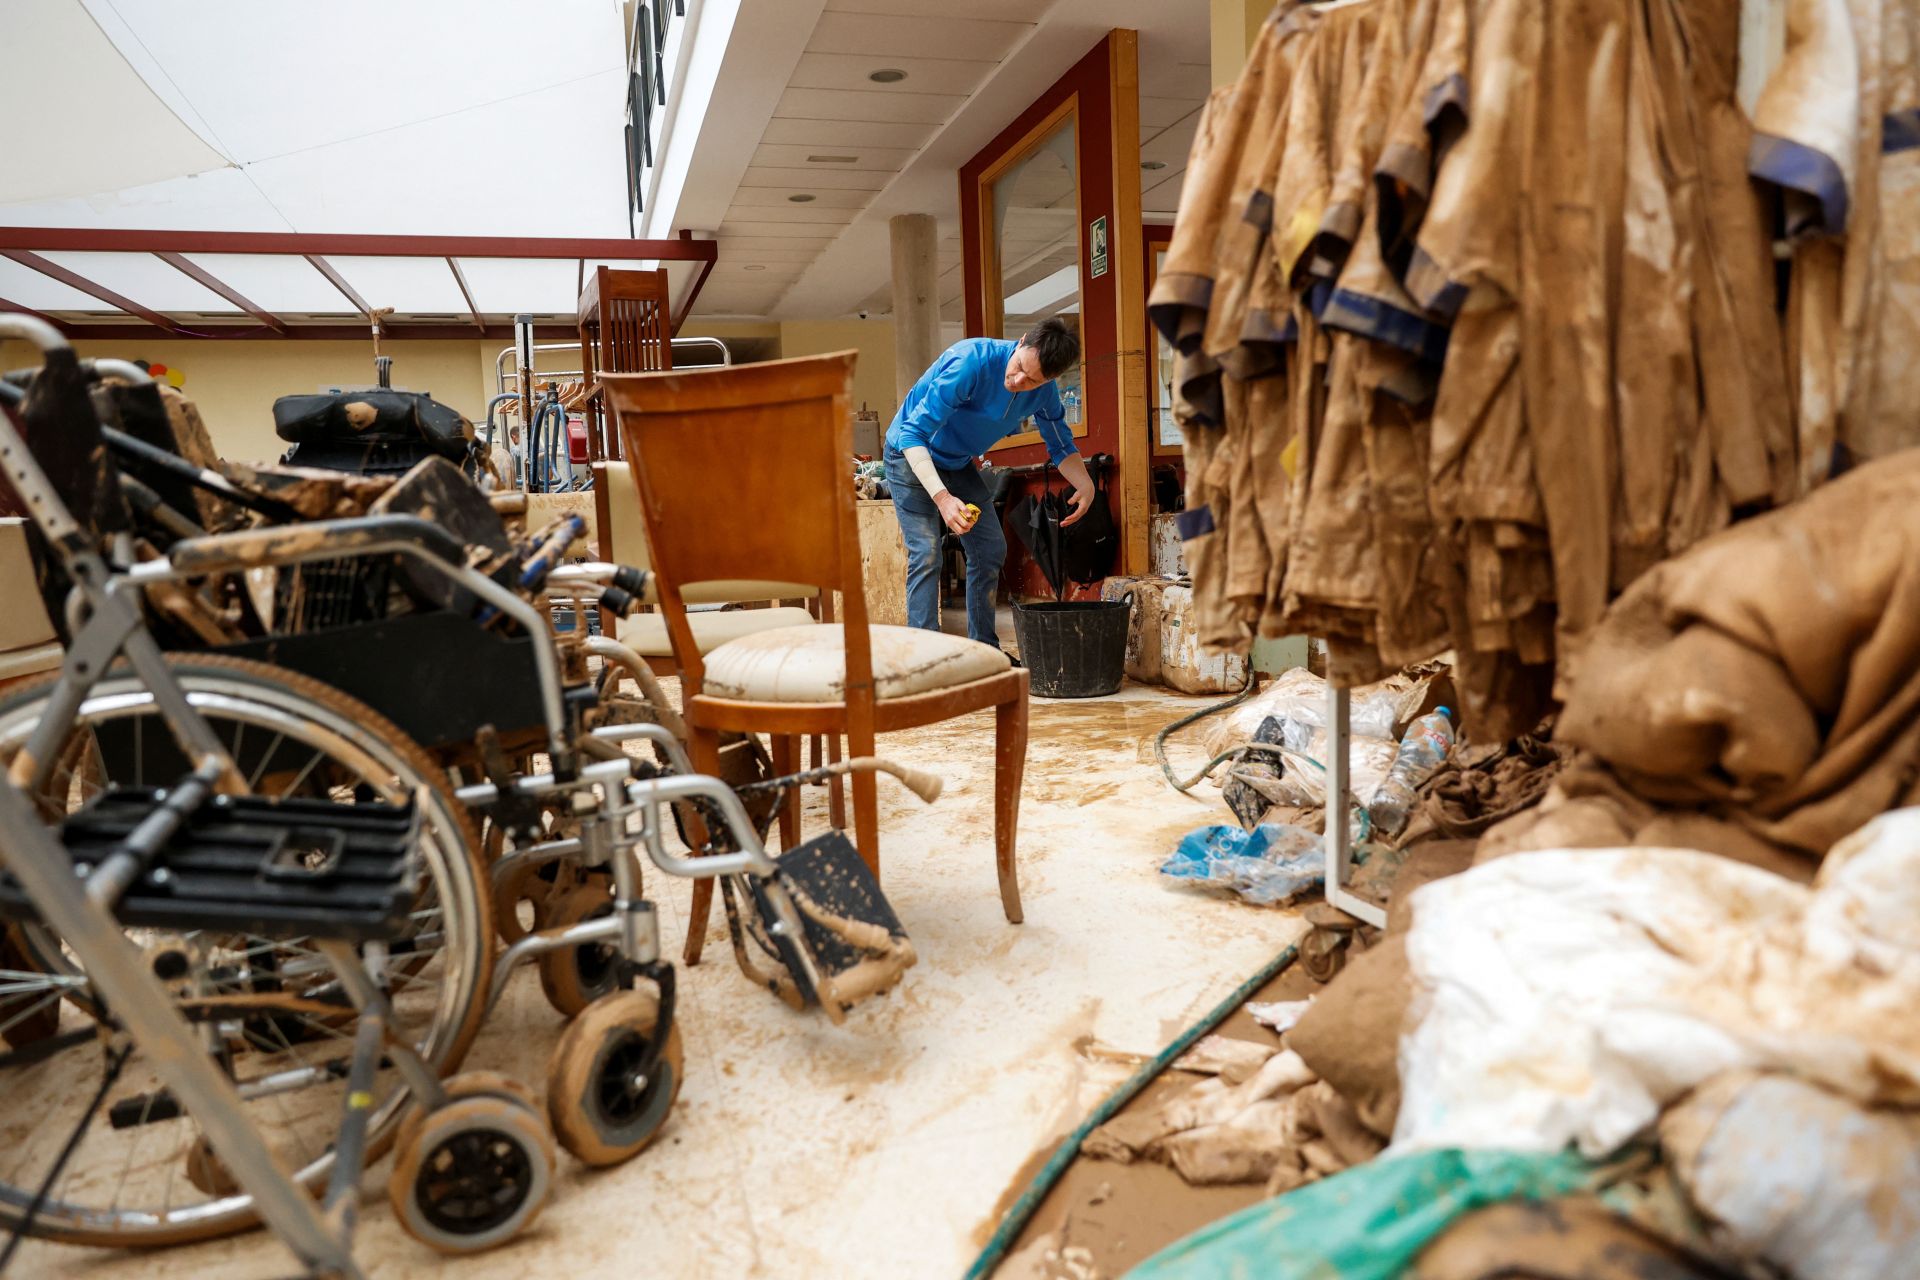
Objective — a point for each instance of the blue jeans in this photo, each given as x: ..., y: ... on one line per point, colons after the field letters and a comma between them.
x: 922, y: 529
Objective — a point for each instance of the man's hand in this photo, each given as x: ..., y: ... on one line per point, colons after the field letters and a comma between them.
x: 1074, y: 468
x: 1077, y: 503
x: 953, y: 511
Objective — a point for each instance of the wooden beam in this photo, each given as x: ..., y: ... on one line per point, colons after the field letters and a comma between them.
x: 66, y: 330
x: 74, y: 280
x: 389, y: 332
x: 459, y: 278
x: 1127, y: 254
x: 339, y: 282
x: 699, y: 281
x: 199, y: 275
x: 288, y: 244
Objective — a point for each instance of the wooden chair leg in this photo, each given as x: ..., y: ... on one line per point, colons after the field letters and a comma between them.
x: 786, y: 760
x: 705, y: 753
x: 866, y: 806
x: 1009, y: 770
x: 836, y: 788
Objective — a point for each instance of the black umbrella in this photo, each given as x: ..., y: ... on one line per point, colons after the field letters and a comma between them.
x: 1036, y: 522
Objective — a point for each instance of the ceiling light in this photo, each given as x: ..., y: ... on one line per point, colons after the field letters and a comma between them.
x: 887, y: 75
x: 802, y: 198
x: 831, y: 159
x: 1153, y: 164
x: 754, y: 266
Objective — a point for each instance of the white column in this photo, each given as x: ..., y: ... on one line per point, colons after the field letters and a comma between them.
x: 916, y: 299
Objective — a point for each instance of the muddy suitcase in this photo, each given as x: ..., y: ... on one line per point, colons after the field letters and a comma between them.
x: 1185, y: 665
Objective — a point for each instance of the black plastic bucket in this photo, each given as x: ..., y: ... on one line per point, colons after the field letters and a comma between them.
x: 1074, y: 648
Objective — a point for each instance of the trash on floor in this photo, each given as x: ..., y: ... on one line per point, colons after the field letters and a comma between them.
x: 1280, y: 1015
x: 1267, y: 865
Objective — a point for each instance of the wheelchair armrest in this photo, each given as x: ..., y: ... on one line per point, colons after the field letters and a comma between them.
x: 313, y: 540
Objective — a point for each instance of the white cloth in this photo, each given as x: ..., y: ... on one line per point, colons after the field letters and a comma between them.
x: 1570, y: 995
x: 809, y: 664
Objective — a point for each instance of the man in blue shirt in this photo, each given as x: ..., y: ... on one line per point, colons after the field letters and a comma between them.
x: 977, y: 392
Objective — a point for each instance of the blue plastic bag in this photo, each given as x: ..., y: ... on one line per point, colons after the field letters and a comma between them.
x: 1269, y: 864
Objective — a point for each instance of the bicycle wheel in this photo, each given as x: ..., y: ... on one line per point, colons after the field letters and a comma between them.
x: 133, y: 1179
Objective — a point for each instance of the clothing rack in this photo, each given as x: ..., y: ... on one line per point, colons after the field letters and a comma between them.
x: 1339, y: 810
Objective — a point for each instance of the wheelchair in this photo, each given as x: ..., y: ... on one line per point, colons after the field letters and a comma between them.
x: 223, y: 849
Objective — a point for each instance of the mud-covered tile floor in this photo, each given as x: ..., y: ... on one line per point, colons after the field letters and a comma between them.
x: 879, y: 1148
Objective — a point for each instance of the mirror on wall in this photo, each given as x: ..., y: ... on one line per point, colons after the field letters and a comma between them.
x: 1034, y: 240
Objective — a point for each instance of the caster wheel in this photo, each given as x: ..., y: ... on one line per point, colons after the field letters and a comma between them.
x: 468, y: 1084
x: 574, y: 977
x: 476, y: 1174
x: 600, y: 1112
x: 528, y: 886
x: 207, y: 1171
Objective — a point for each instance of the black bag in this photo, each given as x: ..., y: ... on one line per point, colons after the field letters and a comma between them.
x: 1081, y: 552
x: 1089, y: 545
x: 374, y: 431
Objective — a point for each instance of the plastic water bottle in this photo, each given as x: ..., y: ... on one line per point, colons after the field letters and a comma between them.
x: 1423, y: 749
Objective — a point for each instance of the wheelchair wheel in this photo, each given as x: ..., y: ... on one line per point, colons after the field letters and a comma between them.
x: 264, y: 1004
x: 574, y: 977
x: 475, y: 1174
x: 600, y: 1109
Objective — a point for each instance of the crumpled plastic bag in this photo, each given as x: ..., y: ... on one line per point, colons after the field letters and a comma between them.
x: 1267, y: 865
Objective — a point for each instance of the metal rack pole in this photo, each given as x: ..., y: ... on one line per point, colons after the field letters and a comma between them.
x: 1340, y: 808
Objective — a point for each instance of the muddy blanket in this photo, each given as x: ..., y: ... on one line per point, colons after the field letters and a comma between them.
x: 1771, y: 675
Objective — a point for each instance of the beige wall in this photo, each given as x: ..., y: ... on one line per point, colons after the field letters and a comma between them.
x: 236, y: 382
x: 1234, y: 26
x: 873, y: 339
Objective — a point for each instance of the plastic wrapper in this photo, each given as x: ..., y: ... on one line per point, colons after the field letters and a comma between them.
x: 1269, y: 864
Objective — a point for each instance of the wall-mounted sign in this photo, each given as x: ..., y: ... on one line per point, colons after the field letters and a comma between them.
x: 1097, y: 240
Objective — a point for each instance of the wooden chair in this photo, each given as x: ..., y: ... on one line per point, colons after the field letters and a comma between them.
x: 625, y: 320
x: 744, y: 473
x: 622, y: 538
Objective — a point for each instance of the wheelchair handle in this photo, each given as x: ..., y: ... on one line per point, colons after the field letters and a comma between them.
x: 278, y: 544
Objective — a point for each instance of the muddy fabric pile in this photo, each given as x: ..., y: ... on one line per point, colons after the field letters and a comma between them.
x: 1760, y: 692
x: 1264, y: 1117
x: 1474, y: 311
x: 1482, y: 785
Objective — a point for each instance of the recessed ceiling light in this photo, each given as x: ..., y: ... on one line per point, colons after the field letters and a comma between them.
x: 887, y: 75
x: 754, y: 266
x: 1153, y: 164
x: 802, y: 198
x: 831, y: 159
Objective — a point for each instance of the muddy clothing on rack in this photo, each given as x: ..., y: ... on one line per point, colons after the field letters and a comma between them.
x: 1837, y: 131
x: 1476, y: 327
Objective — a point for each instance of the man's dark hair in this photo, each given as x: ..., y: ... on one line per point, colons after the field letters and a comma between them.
x: 1057, y: 343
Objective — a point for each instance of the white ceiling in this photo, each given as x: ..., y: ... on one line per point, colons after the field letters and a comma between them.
x: 371, y: 116
x: 865, y: 151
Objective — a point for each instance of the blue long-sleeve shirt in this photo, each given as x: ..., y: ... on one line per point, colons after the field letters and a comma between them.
x: 961, y: 406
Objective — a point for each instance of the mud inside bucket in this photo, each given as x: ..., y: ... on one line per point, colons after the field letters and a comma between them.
x: 1074, y: 648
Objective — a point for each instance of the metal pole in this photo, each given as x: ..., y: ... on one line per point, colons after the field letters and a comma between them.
x: 523, y: 360
x: 1340, y: 810
x: 150, y: 1017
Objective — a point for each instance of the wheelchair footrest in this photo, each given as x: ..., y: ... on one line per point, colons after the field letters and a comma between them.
x: 276, y: 868
x: 827, y: 872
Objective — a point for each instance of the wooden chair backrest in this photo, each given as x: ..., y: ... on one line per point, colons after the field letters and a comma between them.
x: 625, y: 320
x: 746, y: 473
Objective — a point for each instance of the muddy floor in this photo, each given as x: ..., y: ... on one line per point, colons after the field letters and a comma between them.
x: 1102, y: 1218
x: 883, y: 1147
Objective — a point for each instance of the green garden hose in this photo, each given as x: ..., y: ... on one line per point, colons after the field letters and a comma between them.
x: 1160, y: 739
x: 1022, y: 1210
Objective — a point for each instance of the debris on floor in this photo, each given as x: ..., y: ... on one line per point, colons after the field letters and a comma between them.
x: 1267, y: 865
